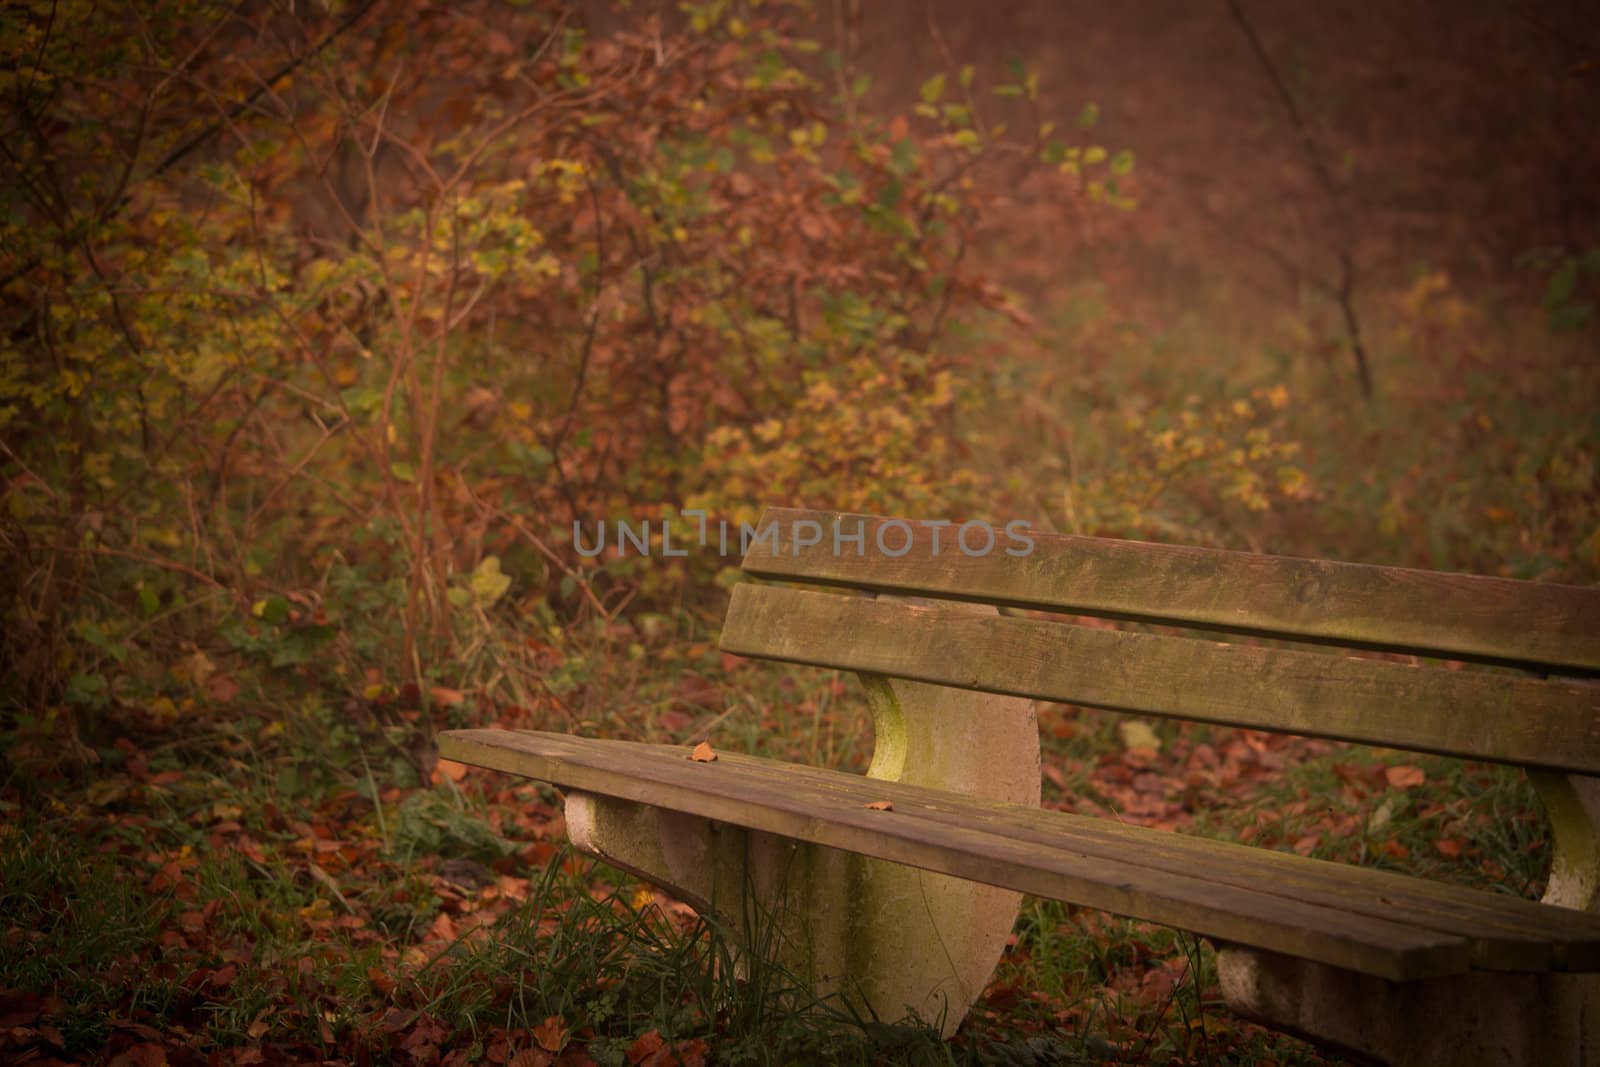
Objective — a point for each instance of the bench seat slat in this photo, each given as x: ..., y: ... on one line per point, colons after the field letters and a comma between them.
x: 1474, y: 714
x: 1529, y: 936
x: 1056, y: 855
x: 1431, y: 613
x: 1525, y: 935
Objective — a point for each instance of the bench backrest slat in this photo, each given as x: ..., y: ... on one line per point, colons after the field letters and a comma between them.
x: 1535, y: 625
x: 1473, y: 714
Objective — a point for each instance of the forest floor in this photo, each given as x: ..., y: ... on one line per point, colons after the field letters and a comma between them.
x: 223, y: 888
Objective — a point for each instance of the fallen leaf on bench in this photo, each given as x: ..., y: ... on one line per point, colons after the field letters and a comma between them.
x: 881, y: 805
x: 1405, y: 777
x: 703, y: 753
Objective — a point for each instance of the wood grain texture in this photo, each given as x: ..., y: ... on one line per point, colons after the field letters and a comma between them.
x: 1370, y: 921
x: 1473, y: 714
x: 1430, y: 613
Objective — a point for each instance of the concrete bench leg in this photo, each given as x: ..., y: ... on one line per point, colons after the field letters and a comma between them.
x: 1492, y: 1020
x: 895, y: 940
x: 1507, y: 1020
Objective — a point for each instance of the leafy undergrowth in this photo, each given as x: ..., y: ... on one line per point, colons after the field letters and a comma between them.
x: 182, y: 906
x: 228, y: 892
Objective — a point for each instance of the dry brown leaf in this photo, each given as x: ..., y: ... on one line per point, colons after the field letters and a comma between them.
x: 648, y: 1047
x: 703, y: 753
x: 881, y: 805
x: 551, y: 1034
x: 222, y: 688
x: 1404, y: 777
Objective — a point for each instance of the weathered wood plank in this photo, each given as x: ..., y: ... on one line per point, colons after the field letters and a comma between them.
x: 1526, y: 935
x: 1031, y: 850
x: 1430, y: 613
x: 1469, y: 713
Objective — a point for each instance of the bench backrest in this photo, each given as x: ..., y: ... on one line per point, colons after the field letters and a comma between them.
x: 1472, y: 712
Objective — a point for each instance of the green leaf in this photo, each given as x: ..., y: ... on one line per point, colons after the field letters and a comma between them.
x: 932, y: 89
x: 86, y: 689
x: 273, y: 610
x: 435, y: 824
x: 488, y: 584
x: 362, y: 400
x: 1135, y: 734
x: 1088, y: 116
x: 1562, y: 283
x: 300, y: 646
x: 536, y: 456
x: 1122, y: 162
x: 903, y: 158
x: 402, y: 471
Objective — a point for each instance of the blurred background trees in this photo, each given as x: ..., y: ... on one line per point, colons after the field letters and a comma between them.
x: 324, y: 323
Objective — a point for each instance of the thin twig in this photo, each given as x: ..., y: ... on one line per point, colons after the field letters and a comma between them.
x: 1344, y: 290
x: 175, y: 156
x: 538, y: 543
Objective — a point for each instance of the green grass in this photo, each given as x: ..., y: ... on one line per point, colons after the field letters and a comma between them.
x: 79, y: 929
x: 75, y: 926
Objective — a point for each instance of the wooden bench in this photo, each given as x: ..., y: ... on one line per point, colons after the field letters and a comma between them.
x: 908, y: 909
